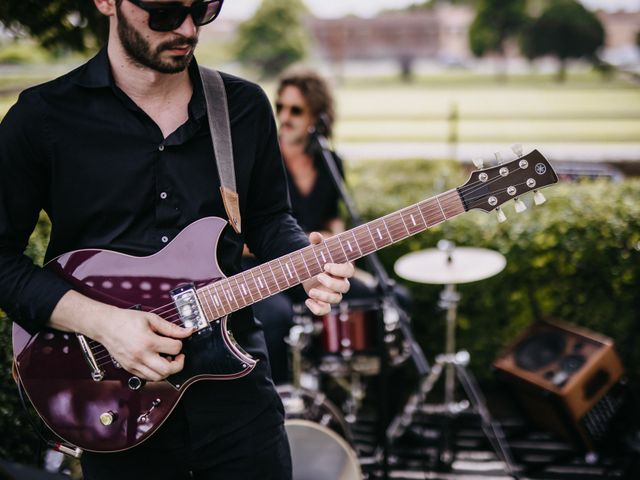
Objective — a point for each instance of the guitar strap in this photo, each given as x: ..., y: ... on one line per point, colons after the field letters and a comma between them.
x: 218, y: 114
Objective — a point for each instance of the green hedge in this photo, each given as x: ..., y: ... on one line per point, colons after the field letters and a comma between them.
x: 576, y: 258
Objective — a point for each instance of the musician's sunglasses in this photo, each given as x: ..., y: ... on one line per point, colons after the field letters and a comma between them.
x: 295, y: 110
x: 165, y: 17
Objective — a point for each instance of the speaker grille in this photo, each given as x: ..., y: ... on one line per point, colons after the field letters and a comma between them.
x: 598, y: 420
x: 540, y: 350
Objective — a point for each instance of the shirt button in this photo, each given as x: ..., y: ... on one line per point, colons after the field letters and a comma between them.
x: 163, y: 195
x: 161, y: 148
x: 165, y: 239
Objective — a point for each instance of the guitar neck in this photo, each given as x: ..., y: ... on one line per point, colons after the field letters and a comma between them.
x: 239, y: 291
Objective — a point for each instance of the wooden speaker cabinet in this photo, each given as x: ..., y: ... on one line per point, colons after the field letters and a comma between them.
x: 566, y: 379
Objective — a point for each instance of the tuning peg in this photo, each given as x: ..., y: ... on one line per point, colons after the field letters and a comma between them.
x: 498, y: 156
x: 520, y: 206
x: 501, y: 216
x: 479, y: 163
x: 538, y: 198
x: 517, y: 149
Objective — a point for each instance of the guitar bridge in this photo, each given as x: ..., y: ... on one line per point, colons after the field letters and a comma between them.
x: 188, y: 307
x: 96, y: 373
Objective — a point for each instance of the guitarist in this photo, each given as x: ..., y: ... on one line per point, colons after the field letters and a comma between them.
x: 305, y: 104
x: 118, y: 153
x: 303, y: 97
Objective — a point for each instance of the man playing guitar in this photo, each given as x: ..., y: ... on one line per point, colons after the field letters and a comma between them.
x: 118, y: 153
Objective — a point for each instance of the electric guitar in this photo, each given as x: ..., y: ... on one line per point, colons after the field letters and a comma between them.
x: 86, y: 398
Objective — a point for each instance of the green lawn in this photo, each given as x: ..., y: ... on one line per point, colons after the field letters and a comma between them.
x: 526, y: 108
x: 586, y: 109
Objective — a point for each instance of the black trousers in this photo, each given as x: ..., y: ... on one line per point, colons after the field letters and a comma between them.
x: 259, y: 450
x: 219, y: 430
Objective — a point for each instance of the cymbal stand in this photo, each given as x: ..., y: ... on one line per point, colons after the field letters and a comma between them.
x: 454, y: 363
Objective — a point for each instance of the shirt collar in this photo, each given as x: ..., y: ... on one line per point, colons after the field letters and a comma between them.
x: 197, y: 105
x: 96, y: 73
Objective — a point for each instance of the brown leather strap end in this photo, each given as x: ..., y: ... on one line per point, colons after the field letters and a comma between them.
x: 232, y: 207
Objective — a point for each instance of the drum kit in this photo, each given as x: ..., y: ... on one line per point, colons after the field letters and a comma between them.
x: 349, y: 346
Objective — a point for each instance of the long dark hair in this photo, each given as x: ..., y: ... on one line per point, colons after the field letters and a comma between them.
x: 315, y: 91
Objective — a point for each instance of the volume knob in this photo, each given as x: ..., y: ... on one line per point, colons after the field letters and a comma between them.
x: 107, y: 418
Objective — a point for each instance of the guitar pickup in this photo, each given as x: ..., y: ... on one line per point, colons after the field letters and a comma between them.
x: 188, y: 307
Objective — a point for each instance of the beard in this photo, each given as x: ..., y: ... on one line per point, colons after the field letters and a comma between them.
x: 292, y: 135
x: 140, y: 51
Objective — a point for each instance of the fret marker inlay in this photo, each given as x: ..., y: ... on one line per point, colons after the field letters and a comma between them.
x: 438, y: 200
x: 248, y: 287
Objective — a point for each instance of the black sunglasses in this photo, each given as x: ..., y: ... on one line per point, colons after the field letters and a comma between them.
x: 295, y: 110
x: 166, y: 17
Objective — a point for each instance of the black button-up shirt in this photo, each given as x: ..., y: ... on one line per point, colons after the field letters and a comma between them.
x: 83, y: 151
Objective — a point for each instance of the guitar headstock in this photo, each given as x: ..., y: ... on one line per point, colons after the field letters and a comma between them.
x: 489, y: 188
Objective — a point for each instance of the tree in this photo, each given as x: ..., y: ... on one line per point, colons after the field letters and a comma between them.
x: 495, y: 23
x: 274, y: 37
x: 56, y: 24
x: 565, y: 30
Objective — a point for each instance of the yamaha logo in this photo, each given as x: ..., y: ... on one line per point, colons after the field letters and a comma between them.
x: 541, y: 168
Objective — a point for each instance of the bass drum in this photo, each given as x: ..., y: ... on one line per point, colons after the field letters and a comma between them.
x: 320, y: 439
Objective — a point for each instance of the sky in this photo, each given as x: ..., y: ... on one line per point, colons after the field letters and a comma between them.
x: 336, y: 8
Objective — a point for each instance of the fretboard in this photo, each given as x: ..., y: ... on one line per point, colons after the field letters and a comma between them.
x: 239, y: 291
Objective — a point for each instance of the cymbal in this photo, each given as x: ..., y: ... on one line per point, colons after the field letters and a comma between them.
x: 466, y: 264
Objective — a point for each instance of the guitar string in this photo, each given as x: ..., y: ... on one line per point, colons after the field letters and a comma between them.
x: 391, y: 229
x: 445, y: 204
x: 447, y: 201
x: 175, y: 318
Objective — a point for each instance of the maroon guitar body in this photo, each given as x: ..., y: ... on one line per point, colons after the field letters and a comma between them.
x: 89, y: 401
x: 58, y: 376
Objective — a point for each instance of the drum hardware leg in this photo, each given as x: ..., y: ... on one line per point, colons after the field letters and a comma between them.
x: 401, y: 422
x: 355, y: 396
x: 416, y: 403
x: 492, y: 429
x: 297, y: 340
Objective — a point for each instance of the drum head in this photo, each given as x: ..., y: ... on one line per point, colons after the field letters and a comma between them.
x: 318, y: 453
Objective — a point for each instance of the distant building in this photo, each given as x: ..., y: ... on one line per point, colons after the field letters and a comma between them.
x: 439, y: 34
x: 622, y: 28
